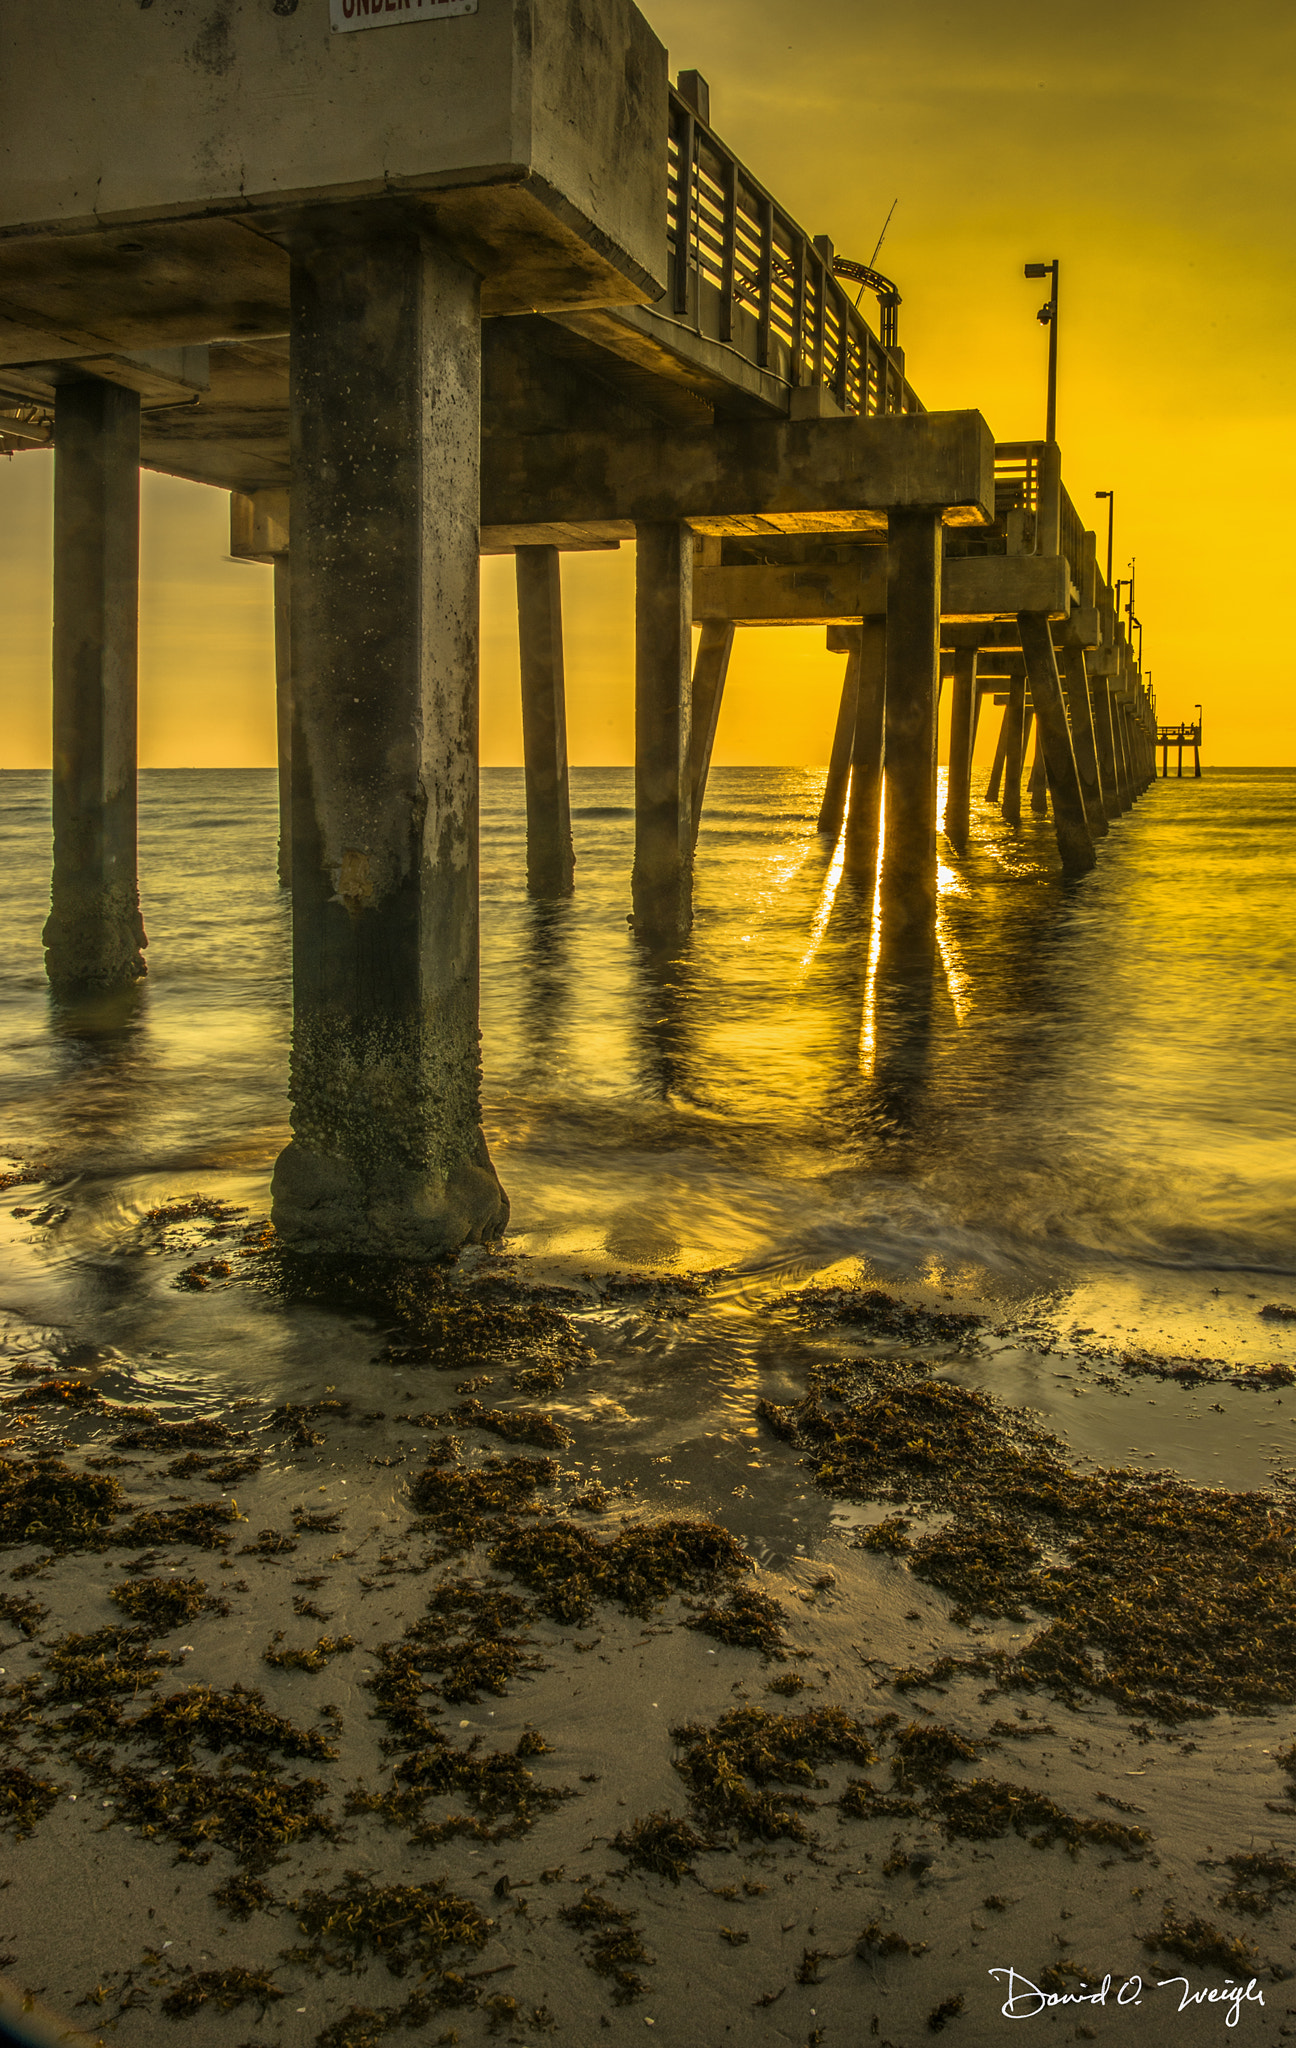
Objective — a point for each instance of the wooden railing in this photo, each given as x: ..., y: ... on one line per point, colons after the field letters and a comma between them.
x: 743, y: 273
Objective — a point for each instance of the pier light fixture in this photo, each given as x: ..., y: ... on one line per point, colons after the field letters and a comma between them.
x: 1111, y: 523
x: 1048, y: 317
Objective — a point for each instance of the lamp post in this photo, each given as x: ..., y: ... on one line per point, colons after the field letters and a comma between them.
x: 1111, y: 526
x: 1197, y: 708
x: 1048, y: 317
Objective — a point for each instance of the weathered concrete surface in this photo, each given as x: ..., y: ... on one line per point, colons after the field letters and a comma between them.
x: 1075, y: 841
x: 662, y: 881
x: 864, y: 815
x: 912, y: 681
x: 973, y: 588
x: 94, y: 936
x: 788, y: 476
x: 536, y: 135
x: 1105, y: 745
x: 833, y: 808
x: 710, y: 668
x: 958, y: 788
x: 551, y: 861
x: 1080, y: 712
x: 388, y: 1154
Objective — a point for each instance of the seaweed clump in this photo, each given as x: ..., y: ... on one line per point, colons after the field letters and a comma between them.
x: 47, y: 1502
x: 401, y: 1924
x: 984, y: 1809
x: 662, y: 1843
x: 470, y: 1640
x: 22, y: 1612
x: 1196, y: 1940
x: 613, y: 1943
x: 238, y: 1721
x: 569, y: 1570
x: 748, y: 1620
x: 1171, y: 1600
x: 515, y: 1425
x: 24, y: 1800
x: 872, y: 1309
x: 223, y: 1989
x: 1260, y: 1877
x: 199, y: 1522
x: 161, y: 1605
x: 460, y: 1502
x: 769, y: 1749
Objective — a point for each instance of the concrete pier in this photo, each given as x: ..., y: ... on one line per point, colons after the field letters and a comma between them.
x: 912, y: 683
x: 963, y: 709
x: 551, y: 861
x: 1075, y: 842
x: 94, y: 936
x: 1038, y: 784
x: 662, y: 881
x: 1104, y: 745
x: 710, y: 668
x: 1083, y: 739
x: 284, y: 711
x: 864, y: 817
x: 833, y: 808
x: 1016, y: 735
x: 387, y: 1153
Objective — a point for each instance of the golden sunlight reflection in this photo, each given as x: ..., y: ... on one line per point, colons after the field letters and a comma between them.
x: 822, y: 914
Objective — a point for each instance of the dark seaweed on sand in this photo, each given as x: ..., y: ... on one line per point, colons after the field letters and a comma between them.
x: 24, y: 1800
x: 221, y: 1989
x: 403, y: 1925
x: 746, y: 1619
x: 46, y: 1502
x: 767, y: 1749
x: 238, y: 1721
x: 162, y: 1604
x: 1170, y: 1599
x: 612, y: 1943
x: 22, y: 1612
x: 872, y: 1309
x: 200, y: 1522
x: 661, y: 1842
x: 1195, y: 1940
x: 569, y: 1569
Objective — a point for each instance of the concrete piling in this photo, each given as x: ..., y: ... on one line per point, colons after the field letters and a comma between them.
x: 833, y: 808
x: 388, y: 1154
x: 1038, y: 784
x: 912, y: 673
x: 550, y: 857
x: 662, y: 880
x: 1075, y: 842
x: 710, y: 669
x: 1084, y: 740
x: 1016, y: 733
x: 284, y: 710
x: 864, y: 817
x: 94, y: 936
x: 963, y: 710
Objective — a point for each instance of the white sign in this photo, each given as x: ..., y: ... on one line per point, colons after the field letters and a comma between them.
x: 349, y: 14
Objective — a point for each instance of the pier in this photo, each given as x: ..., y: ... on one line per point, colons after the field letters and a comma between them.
x: 443, y: 288
x: 1179, y: 737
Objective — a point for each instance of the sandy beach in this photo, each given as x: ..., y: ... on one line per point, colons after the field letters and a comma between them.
x: 378, y: 1709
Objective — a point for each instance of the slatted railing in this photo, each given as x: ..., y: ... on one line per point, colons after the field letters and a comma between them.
x: 742, y: 272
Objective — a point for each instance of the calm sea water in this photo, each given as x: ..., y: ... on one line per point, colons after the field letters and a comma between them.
x: 1091, y: 1116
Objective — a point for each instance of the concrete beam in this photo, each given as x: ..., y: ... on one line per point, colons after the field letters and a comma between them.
x: 973, y: 588
x: 787, y: 476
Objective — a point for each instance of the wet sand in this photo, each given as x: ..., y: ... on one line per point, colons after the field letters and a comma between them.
x: 799, y: 1910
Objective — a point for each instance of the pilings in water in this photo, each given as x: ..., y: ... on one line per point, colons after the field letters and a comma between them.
x: 94, y: 936
x: 864, y: 817
x: 833, y: 808
x: 1017, y: 718
x: 710, y: 669
x: 1075, y: 843
x: 963, y: 723
x: 284, y: 710
x: 1083, y: 738
x: 662, y: 879
x: 387, y: 1154
x: 912, y: 683
x: 550, y: 859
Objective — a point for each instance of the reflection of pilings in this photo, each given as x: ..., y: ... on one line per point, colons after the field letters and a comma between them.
x: 864, y: 818
x: 550, y: 860
x: 912, y: 672
x: 833, y: 808
x: 388, y: 1154
x: 662, y: 882
x: 709, y: 671
x: 958, y: 787
x: 284, y: 710
x: 94, y: 936
x: 1075, y: 842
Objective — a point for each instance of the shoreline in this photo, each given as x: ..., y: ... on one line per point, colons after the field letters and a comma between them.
x: 758, y: 1941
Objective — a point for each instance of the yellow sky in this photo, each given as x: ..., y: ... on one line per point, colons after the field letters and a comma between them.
x: 1147, y: 145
